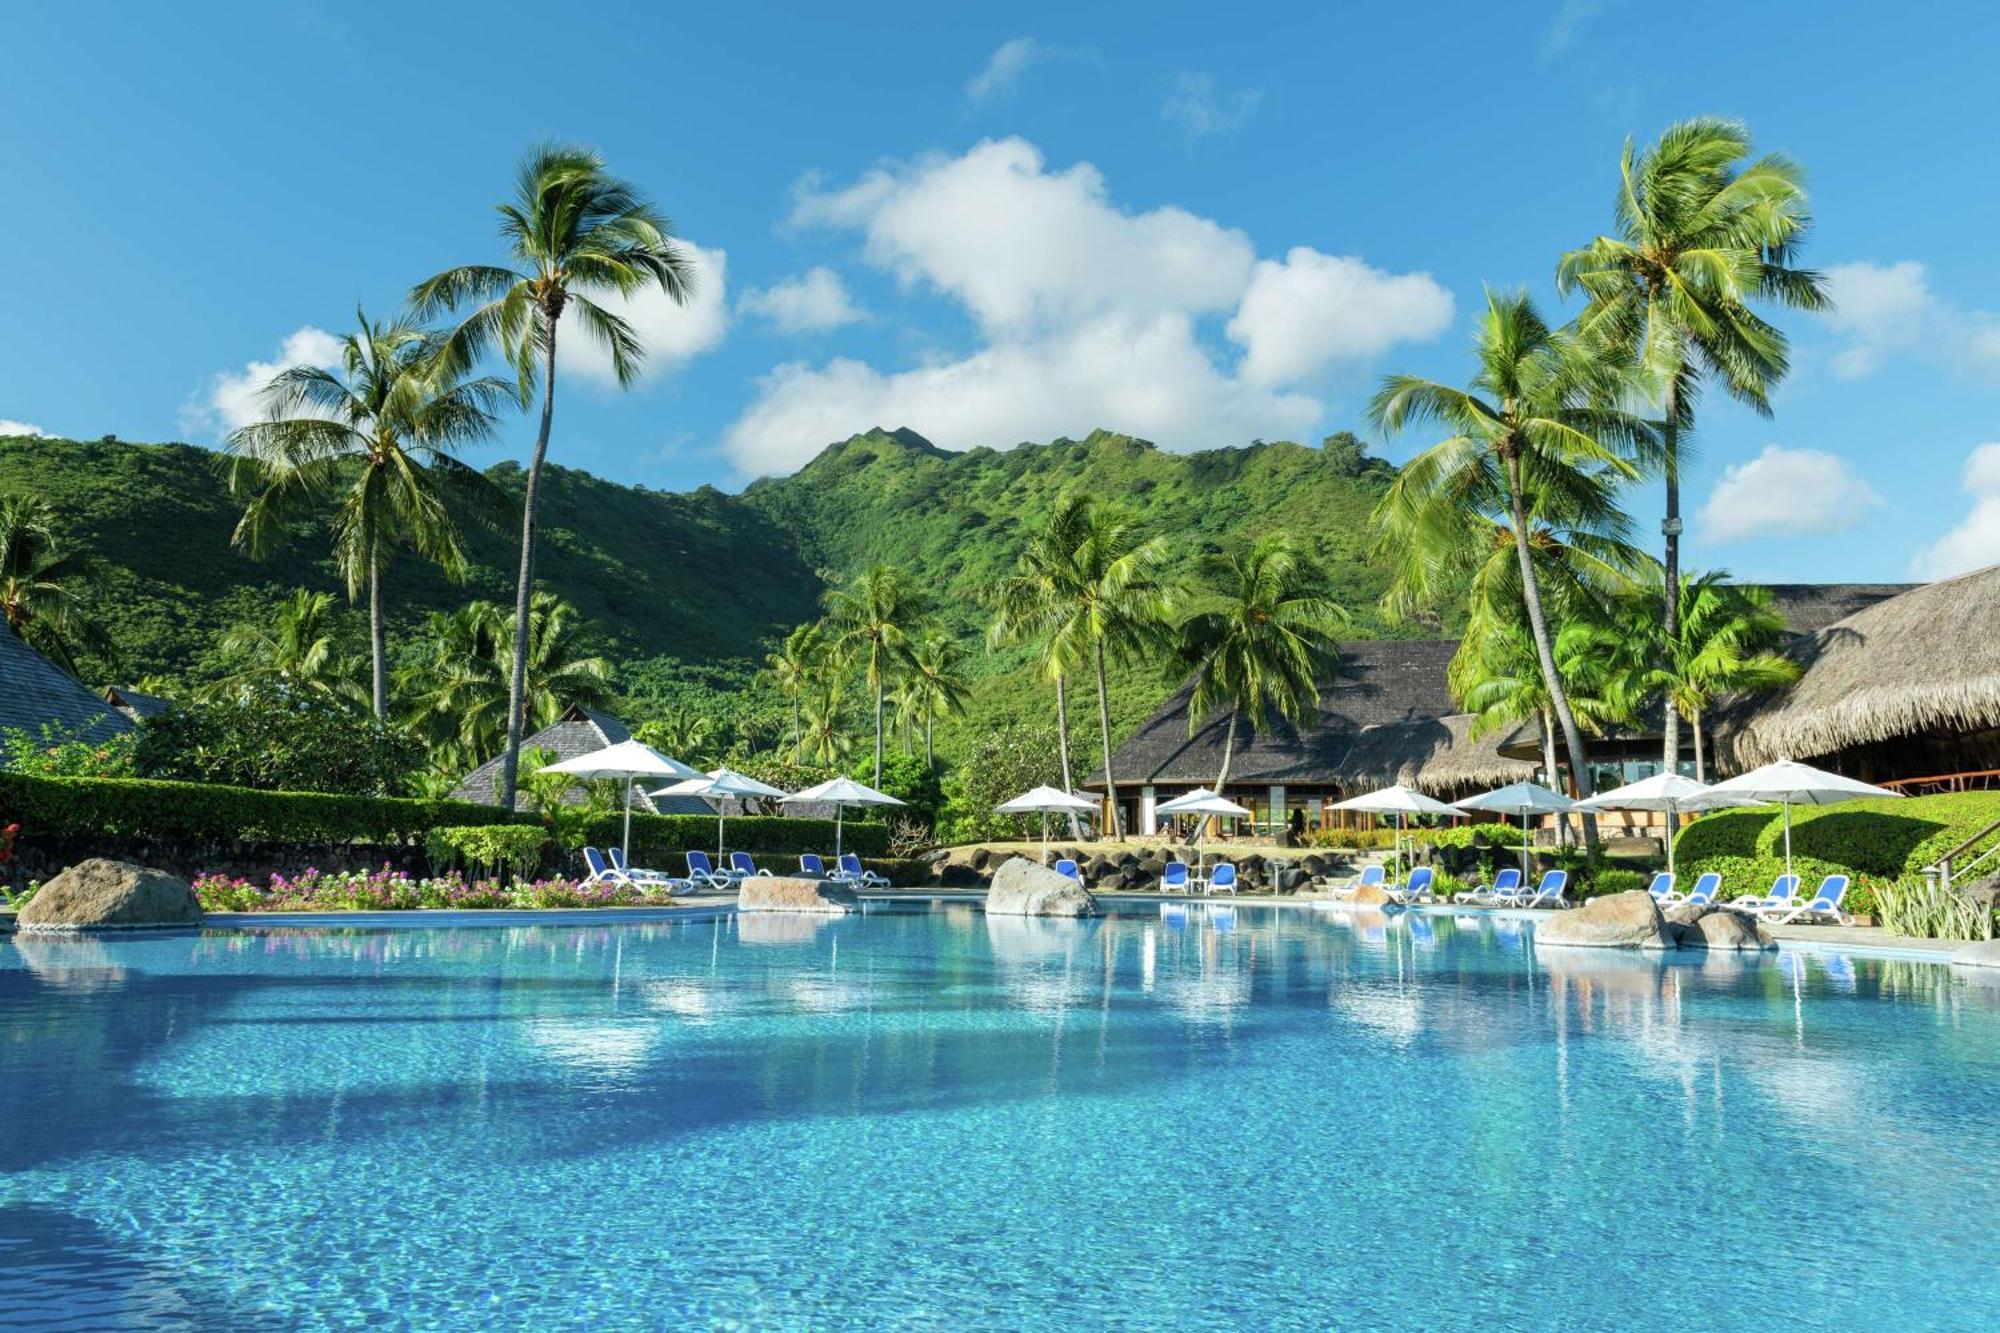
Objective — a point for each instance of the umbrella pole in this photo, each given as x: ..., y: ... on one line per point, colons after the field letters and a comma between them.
x: 1673, y: 825
x: 625, y: 846
x: 838, y: 811
x: 718, y: 830
x: 1788, y: 837
x: 1045, y: 837
x: 1524, y: 847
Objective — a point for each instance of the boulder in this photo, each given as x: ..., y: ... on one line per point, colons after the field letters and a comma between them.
x: 101, y: 894
x: 1727, y: 930
x: 1986, y: 953
x: 788, y: 893
x: 1099, y: 868
x: 1371, y: 895
x: 1313, y: 864
x: 1126, y: 860
x: 1686, y: 914
x: 1292, y: 880
x: 1022, y: 888
x: 1115, y: 882
x: 1628, y: 920
x: 959, y: 875
x: 982, y: 858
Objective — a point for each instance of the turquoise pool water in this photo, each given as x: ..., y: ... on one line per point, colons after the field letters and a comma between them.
x: 923, y: 1119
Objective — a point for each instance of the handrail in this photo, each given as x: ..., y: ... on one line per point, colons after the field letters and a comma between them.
x: 1984, y: 778
x: 1952, y: 855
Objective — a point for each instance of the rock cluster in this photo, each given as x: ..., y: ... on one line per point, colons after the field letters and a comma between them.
x: 1023, y: 888
x: 788, y: 893
x: 1632, y: 920
x: 101, y: 894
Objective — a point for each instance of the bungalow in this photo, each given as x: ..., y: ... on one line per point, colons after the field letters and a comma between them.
x: 35, y: 692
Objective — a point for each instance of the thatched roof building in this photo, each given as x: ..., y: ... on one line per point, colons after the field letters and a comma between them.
x: 1902, y: 688
x: 35, y: 692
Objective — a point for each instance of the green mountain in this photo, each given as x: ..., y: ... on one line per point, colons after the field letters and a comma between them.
x: 692, y: 589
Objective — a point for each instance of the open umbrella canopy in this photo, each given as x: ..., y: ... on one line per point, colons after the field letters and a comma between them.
x: 1201, y: 801
x: 718, y: 785
x: 841, y: 793
x: 1521, y: 798
x: 1398, y: 800
x: 1663, y: 791
x: 626, y: 759
x: 1790, y: 783
x: 1045, y: 800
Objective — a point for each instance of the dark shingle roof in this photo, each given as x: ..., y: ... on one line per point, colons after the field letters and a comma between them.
x: 577, y: 732
x: 135, y: 705
x: 35, y: 691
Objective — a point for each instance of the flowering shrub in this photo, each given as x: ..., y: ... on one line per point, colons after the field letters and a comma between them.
x: 57, y: 751
x: 390, y: 890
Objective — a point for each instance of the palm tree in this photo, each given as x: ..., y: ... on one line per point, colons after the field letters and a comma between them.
x: 935, y: 686
x: 376, y: 440
x: 469, y: 673
x: 1701, y: 234
x: 1724, y: 644
x: 1261, y: 639
x: 872, y: 618
x: 41, y: 584
x: 575, y: 234
x: 825, y: 737
x: 297, y: 646
x: 1528, y: 426
x: 793, y: 668
x: 679, y: 730
x: 1031, y: 603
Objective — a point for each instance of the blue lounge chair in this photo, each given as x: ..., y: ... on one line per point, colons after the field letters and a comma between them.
x: 1369, y: 875
x: 600, y: 871
x: 741, y: 866
x: 1506, y: 883
x: 1222, y: 879
x: 1784, y: 893
x: 657, y: 877
x: 1704, y: 891
x: 813, y: 867
x: 1549, y: 893
x: 1174, y: 879
x: 1417, y: 888
x: 1662, y: 889
x: 1065, y: 866
x: 867, y: 879
x: 1825, y: 905
x: 702, y: 871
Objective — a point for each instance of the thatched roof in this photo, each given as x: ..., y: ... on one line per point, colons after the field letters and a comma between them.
x: 1433, y: 755
x: 578, y: 731
x: 1811, y: 607
x: 1927, y: 660
x: 35, y: 692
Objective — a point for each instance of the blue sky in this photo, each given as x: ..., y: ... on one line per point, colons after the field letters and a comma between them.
x: 998, y: 223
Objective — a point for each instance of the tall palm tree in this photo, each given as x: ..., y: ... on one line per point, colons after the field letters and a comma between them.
x: 872, y: 618
x: 575, y: 235
x: 679, y: 730
x: 825, y: 737
x: 297, y: 646
x: 1031, y: 604
x: 1701, y: 233
x: 1530, y: 424
x: 1724, y: 643
x: 376, y: 440
x: 935, y: 686
x: 793, y: 667
x: 1261, y: 639
x: 41, y: 583
x: 470, y: 673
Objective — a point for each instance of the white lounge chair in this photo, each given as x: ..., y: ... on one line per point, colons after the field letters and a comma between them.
x: 1417, y: 888
x: 1823, y: 906
x: 866, y: 878
x: 643, y: 876
x: 1369, y: 875
x: 1506, y: 883
x: 1784, y: 894
x: 1549, y: 893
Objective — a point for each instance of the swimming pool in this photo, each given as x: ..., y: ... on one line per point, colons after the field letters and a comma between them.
x: 925, y: 1119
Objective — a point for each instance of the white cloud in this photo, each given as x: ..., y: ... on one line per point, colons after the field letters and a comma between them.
x: 8, y: 426
x: 671, y: 334
x: 1084, y: 314
x: 1786, y: 491
x: 1877, y: 309
x: 811, y: 303
x: 1004, y: 68
x: 1193, y: 103
x: 1975, y: 542
x: 1313, y: 309
x: 236, y: 398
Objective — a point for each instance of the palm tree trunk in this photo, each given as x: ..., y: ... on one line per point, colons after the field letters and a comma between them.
x: 524, y: 589
x: 1538, y: 626
x: 1700, y: 768
x: 1549, y: 763
x: 377, y: 640
x: 798, y: 734
x: 1670, y: 619
x: 880, y: 688
x: 1062, y: 748
x: 930, y: 747
x: 1104, y: 734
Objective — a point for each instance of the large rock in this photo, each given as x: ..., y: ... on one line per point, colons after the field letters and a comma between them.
x: 1371, y: 895
x: 959, y: 875
x: 788, y: 893
x: 1717, y: 929
x: 101, y: 894
x: 1022, y: 888
x: 1628, y: 920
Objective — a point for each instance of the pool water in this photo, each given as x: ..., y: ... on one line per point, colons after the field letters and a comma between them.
x: 1260, y: 1117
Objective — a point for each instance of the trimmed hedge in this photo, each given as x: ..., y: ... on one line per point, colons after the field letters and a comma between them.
x: 143, y: 807
x: 1880, y: 837
x: 661, y: 841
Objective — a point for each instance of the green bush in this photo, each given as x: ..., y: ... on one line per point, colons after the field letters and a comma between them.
x: 56, y: 751
x: 278, y: 740
x: 487, y: 849
x: 1923, y: 909
x: 1885, y: 838
x: 1495, y: 834
x: 1615, y: 881
x: 142, y: 807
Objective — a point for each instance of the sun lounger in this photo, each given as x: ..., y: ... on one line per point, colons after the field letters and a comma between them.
x: 741, y: 866
x: 1174, y: 879
x: 1824, y: 906
x: 1065, y: 866
x: 644, y: 876
x: 1222, y: 879
x: 867, y: 879
x: 812, y: 866
x: 1549, y: 893
x: 1505, y: 885
x: 1662, y: 889
x: 1784, y: 893
x: 702, y: 871
x: 1417, y: 888
x: 600, y: 870
x: 1369, y: 875
x: 1703, y: 893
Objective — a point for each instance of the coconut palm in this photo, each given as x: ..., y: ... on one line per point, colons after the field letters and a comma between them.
x: 872, y: 619
x: 41, y: 583
x: 471, y: 678
x: 1701, y: 234
x: 793, y: 668
x: 1531, y: 425
x: 1724, y: 643
x: 825, y: 735
x: 1261, y: 639
x: 679, y: 730
x: 375, y: 440
x: 934, y: 686
x: 1031, y: 604
x: 297, y: 646
x: 576, y: 235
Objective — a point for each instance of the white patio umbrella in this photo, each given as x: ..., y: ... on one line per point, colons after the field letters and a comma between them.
x: 1789, y: 783
x: 721, y: 784
x: 1045, y: 801
x: 1663, y: 791
x: 841, y: 793
x: 1523, y: 799
x: 1201, y: 801
x: 625, y: 761
x: 1400, y: 801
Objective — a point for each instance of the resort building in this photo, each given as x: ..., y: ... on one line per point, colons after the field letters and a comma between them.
x: 1387, y: 716
x: 35, y: 692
